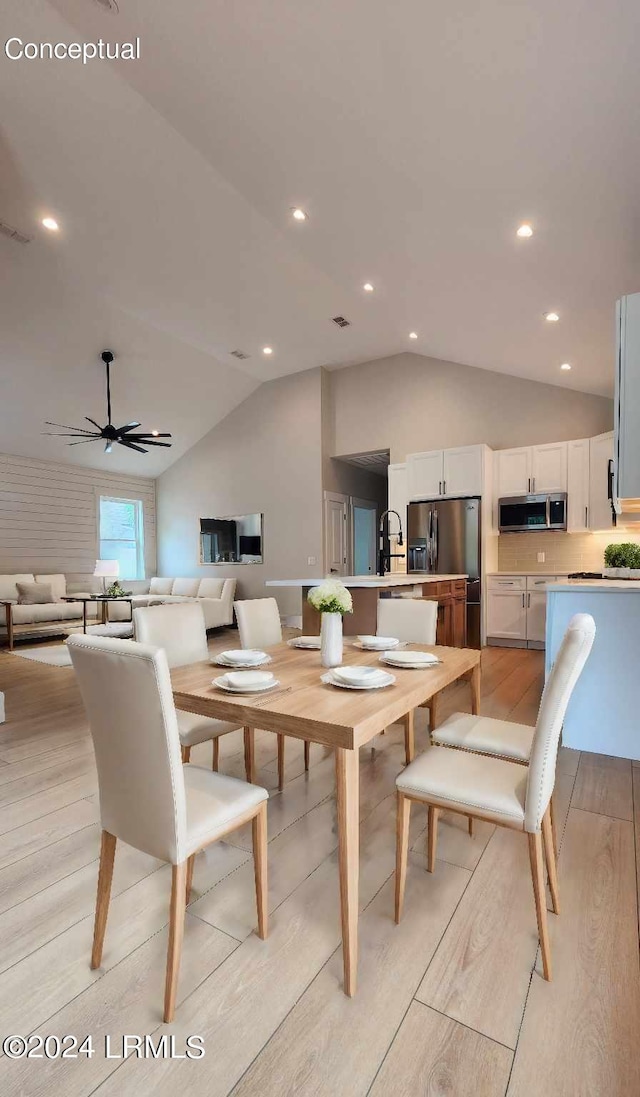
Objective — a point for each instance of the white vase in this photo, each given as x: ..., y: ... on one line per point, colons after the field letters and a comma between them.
x: 331, y: 639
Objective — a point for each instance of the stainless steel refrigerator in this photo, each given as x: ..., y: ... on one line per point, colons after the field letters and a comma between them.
x: 444, y: 538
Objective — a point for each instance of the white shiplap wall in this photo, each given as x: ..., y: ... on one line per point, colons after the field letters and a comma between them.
x: 48, y: 515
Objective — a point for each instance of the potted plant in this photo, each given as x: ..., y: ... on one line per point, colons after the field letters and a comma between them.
x: 622, y: 561
x: 331, y: 598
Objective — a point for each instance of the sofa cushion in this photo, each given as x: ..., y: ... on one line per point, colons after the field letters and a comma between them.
x: 210, y: 588
x: 58, y: 584
x: 34, y: 594
x: 8, y: 586
x: 160, y: 586
x: 52, y: 611
x: 186, y: 588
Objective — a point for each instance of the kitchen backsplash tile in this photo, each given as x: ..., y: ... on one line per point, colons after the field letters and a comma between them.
x: 564, y: 552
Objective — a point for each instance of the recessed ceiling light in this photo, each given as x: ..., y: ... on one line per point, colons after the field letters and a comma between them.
x: 413, y: 335
x: 565, y: 365
x: 299, y: 214
x: 368, y: 287
x: 552, y: 317
x: 50, y: 223
x: 525, y: 230
x: 267, y: 350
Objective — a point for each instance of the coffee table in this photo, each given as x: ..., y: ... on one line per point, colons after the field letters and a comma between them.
x: 104, y: 599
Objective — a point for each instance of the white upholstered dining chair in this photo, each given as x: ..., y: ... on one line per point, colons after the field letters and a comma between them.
x: 491, y: 788
x: 180, y: 630
x: 413, y: 621
x: 259, y: 627
x: 148, y: 798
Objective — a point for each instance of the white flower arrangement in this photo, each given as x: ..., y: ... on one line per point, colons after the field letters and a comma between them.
x: 331, y: 596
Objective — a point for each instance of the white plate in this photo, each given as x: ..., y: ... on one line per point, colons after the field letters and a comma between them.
x: 376, y: 643
x: 220, y: 661
x: 359, y: 676
x: 310, y: 642
x: 222, y: 683
x: 244, y: 657
x: 330, y: 680
x: 413, y: 660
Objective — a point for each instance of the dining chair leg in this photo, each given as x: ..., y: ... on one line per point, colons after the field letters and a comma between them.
x: 433, y: 712
x: 307, y: 752
x: 554, y: 832
x: 189, y: 884
x: 259, y: 834
x: 105, y: 875
x: 249, y: 755
x: 409, y: 737
x: 476, y: 677
x: 470, y: 822
x: 176, y: 933
x: 537, y: 876
x: 216, y: 754
x: 550, y: 857
x: 432, y: 837
x: 280, y: 762
x: 402, y: 850
x: 186, y: 754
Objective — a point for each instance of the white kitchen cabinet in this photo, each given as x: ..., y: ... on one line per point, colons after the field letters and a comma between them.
x: 627, y: 401
x: 425, y: 475
x: 549, y: 467
x: 536, y: 616
x: 507, y: 613
x: 398, y: 497
x: 600, y: 453
x: 513, y: 472
x: 462, y: 471
x: 578, y: 485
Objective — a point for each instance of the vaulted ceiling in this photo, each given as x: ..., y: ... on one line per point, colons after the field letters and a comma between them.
x: 417, y: 136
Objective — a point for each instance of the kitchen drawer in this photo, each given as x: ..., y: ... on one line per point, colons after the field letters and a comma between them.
x: 539, y: 582
x: 507, y: 582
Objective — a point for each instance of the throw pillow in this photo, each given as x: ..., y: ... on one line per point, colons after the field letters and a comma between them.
x: 34, y: 594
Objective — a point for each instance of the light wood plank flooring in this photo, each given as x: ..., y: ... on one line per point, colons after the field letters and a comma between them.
x: 451, y: 1002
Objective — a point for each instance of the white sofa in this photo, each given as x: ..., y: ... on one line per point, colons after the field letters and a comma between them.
x: 214, y: 595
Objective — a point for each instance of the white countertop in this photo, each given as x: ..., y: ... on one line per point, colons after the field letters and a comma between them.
x: 415, y: 579
x: 604, y: 586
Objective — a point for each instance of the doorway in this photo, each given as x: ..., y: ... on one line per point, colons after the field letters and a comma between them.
x: 364, y: 531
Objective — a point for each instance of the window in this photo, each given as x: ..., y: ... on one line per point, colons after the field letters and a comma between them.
x: 122, y: 535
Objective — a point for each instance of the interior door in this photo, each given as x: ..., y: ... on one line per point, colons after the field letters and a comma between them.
x: 335, y: 533
x: 364, y: 531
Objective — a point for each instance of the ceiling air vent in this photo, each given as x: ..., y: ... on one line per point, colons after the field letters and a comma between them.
x: 14, y: 234
x: 341, y: 322
x: 240, y: 354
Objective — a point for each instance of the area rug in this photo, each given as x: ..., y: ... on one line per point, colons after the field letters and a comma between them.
x: 53, y: 657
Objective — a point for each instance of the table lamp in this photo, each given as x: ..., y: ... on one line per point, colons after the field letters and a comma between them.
x: 107, y: 569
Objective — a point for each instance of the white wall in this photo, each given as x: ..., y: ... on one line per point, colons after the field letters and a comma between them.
x: 264, y: 457
x: 409, y: 403
x: 48, y: 515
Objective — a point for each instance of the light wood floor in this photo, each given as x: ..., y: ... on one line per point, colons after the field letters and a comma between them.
x: 451, y: 1002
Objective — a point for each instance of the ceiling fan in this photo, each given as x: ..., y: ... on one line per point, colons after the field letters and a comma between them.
x: 110, y: 434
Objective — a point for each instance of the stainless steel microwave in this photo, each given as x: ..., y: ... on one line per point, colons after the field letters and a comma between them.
x: 528, y: 513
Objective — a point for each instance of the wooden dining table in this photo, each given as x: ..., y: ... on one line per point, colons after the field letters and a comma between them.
x: 304, y: 707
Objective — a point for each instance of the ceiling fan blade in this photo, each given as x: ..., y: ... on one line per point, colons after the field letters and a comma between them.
x: 81, y: 441
x: 127, y: 427
x: 89, y: 436
x: 108, y: 447
x: 94, y: 423
x: 65, y: 426
x: 147, y: 442
x: 130, y: 445
x: 150, y: 434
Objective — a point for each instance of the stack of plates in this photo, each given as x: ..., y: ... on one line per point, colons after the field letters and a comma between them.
x: 247, y: 681
x: 358, y: 678
x: 376, y: 643
x: 413, y: 660
x: 311, y: 642
x: 241, y: 658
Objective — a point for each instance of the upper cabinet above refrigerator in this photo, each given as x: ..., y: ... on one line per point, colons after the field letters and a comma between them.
x: 445, y: 473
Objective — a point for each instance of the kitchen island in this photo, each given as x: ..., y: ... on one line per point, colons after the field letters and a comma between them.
x: 603, y: 712
x: 449, y: 591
